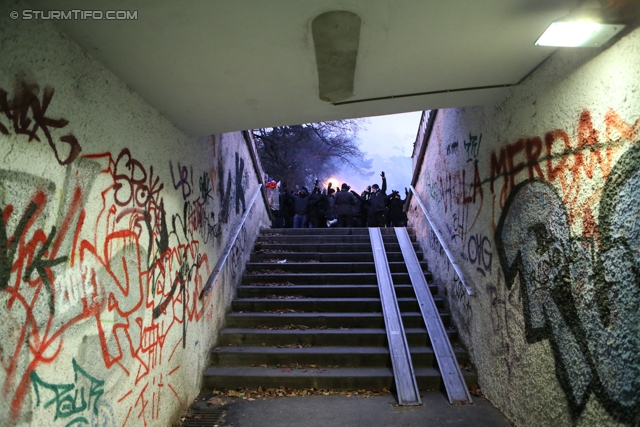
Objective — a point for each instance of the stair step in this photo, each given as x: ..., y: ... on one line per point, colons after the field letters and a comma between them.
x: 325, y: 267
x: 263, y: 257
x: 330, y: 320
x: 330, y: 291
x: 320, y: 337
x: 327, y: 231
x: 323, y: 357
x: 319, y: 278
x: 334, y: 239
x: 225, y: 377
x: 324, y: 247
x: 323, y: 304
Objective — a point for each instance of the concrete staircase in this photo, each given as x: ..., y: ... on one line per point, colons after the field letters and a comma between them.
x: 308, y: 314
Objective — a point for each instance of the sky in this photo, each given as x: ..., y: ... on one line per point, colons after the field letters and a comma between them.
x: 388, y: 142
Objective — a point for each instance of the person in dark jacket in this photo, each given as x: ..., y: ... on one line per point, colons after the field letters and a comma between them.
x: 286, y: 205
x: 397, y: 217
x: 316, y: 208
x: 300, y: 204
x: 366, y: 195
x: 377, y: 203
x: 360, y: 209
x: 344, y: 206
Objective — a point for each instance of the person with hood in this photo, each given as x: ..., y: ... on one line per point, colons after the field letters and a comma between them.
x: 344, y: 206
x: 377, y: 203
x: 300, y: 202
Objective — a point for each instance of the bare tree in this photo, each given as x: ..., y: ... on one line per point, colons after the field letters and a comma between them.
x: 301, y: 154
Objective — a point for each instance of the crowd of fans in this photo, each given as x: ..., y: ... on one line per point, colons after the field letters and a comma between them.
x: 327, y: 208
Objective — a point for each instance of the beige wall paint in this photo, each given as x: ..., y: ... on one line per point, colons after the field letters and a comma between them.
x: 538, y: 198
x: 113, y: 220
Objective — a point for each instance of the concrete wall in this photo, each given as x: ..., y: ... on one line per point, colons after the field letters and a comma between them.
x: 539, y: 198
x: 112, y: 221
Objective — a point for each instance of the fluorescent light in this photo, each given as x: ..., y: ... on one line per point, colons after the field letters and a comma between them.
x: 578, y: 34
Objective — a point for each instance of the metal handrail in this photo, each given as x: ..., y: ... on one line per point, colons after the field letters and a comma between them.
x: 227, y: 250
x: 443, y: 243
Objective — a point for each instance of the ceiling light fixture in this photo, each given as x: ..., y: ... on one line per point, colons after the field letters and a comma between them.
x: 586, y: 29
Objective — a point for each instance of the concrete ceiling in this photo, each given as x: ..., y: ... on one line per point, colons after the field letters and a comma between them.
x: 215, y: 66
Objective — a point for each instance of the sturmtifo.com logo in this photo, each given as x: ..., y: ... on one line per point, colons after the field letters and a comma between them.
x: 75, y: 14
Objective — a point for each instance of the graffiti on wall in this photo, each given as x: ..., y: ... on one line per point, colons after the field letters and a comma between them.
x: 564, y: 220
x: 575, y: 163
x: 459, y: 193
x: 506, y: 325
x: 557, y: 157
x: 480, y: 253
x: 79, y: 401
x: 457, y: 189
x: 185, y: 181
x: 202, y: 216
x: 225, y: 192
x: 472, y: 147
x: 581, y: 292
x: 452, y: 148
x: 105, y: 279
x: 26, y: 114
x: 237, y: 254
x: 102, y: 253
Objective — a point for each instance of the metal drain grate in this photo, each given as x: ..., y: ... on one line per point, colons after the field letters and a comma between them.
x: 204, y: 418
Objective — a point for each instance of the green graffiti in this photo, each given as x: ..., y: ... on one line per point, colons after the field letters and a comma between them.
x: 472, y: 147
x: 433, y: 187
x: 69, y: 399
x: 78, y: 422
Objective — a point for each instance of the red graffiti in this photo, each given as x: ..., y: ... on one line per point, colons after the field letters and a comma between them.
x: 559, y: 157
x: 125, y: 263
x: 454, y: 189
x: 30, y: 261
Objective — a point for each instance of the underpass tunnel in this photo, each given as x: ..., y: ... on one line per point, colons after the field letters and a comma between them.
x: 129, y: 170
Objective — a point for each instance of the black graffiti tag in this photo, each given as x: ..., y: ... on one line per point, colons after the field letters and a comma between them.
x: 27, y: 116
x: 239, y: 187
x: 185, y: 182
x: 581, y: 294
